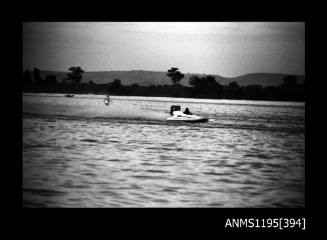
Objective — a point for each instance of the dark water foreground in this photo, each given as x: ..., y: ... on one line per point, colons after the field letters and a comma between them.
x: 79, y: 153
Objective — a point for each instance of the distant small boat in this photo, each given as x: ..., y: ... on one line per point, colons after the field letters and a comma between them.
x: 69, y: 95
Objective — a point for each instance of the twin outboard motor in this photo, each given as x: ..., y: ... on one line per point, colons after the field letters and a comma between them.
x: 174, y: 108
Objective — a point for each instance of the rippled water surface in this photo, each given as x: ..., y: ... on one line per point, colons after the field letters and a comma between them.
x: 77, y: 152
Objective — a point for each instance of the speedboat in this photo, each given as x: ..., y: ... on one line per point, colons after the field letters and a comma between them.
x: 178, y: 116
x: 69, y: 95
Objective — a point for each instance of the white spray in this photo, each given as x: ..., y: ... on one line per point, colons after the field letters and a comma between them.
x: 91, y: 108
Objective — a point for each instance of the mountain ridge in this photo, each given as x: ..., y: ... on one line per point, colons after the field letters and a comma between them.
x: 147, y: 78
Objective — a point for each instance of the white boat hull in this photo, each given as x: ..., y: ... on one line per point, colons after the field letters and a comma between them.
x: 194, y: 120
x: 179, y: 116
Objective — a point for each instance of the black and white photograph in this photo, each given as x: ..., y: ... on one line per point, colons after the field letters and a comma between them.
x: 163, y: 114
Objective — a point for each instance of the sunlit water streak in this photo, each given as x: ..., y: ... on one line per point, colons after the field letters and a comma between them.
x: 77, y: 152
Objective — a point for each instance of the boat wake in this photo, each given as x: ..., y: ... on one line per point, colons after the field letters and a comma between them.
x: 112, y: 111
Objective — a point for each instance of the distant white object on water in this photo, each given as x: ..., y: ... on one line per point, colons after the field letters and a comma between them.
x: 178, y: 116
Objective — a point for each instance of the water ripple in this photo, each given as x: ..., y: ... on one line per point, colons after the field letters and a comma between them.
x: 80, y: 153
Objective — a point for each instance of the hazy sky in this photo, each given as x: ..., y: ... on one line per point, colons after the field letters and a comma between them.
x: 225, y: 48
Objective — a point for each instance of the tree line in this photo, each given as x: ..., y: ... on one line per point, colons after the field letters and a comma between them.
x: 201, y: 87
x: 30, y: 77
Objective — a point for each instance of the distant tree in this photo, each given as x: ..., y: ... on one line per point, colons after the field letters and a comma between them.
x: 37, y: 76
x: 50, y: 79
x: 116, y: 84
x: 210, y: 82
x: 204, y: 82
x: 27, y: 77
x: 233, y: 85
x: 75, y: 76
x: 194, y: 81
x: 289, y: 81
x: 175, y: 75
x: 253, y: 91
x: 271, y: 93
x: 206, y: 86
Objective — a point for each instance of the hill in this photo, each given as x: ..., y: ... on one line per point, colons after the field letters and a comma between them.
x: 147, y: 78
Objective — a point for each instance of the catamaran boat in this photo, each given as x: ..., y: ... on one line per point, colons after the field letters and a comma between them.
x: 176, y: 115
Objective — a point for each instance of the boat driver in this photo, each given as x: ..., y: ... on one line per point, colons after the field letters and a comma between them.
x: 187, y: 111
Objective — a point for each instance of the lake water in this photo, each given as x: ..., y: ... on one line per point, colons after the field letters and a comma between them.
x: 77, y: 152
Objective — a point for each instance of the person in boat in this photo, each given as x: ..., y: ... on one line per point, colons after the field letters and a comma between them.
x: 187, y: 111
x: 174, y: 108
